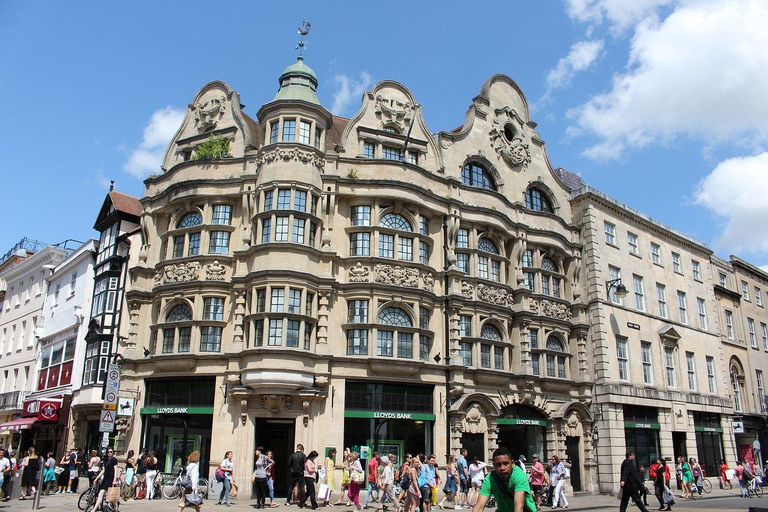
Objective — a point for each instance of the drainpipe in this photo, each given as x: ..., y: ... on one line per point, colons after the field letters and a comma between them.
x: 447, y: 342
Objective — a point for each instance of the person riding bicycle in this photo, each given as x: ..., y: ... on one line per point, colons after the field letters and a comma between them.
x: 109, y: 477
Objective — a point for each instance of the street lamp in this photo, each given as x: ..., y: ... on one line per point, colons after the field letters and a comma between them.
x: 621, y: 290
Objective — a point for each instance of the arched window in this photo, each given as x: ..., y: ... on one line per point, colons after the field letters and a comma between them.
x: 394, y: 316
x: 490, y: 332
x: 190, y: 219
x: 387, y: 339
x: 396, y: 221
x: 475, y: 175
x: 486, y: 245
x: 179, y: 313
x: 736, y: 388
x: 548, y: 264
x: 537, y: 200
x: 553, y: 343
x: 555, y: 363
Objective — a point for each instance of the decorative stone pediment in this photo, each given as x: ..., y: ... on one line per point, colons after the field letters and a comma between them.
x: 178, y: 273
x: 495, y: 295
x: 276, y: 403
x: 208, y: 111
x: 669, y: 336
x: 291, y: 155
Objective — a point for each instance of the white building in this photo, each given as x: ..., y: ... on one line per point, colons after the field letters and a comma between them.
x: 61, y: 347
x: 24, y: 285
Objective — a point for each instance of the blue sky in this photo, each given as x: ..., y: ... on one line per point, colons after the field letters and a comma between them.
x: 661, y: 104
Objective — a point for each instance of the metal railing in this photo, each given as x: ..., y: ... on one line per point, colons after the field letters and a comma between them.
x: 10, y: 400
x: 27, y: 244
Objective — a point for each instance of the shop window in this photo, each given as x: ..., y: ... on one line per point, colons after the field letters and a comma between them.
x: 191, y: 392
x: 369, y: 396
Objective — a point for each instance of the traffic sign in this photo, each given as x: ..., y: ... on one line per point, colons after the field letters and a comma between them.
x: 112, y: 385
x: 105, y: 440
x: 107, y: 422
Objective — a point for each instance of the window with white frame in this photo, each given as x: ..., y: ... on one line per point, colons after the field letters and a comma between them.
x: 736, y: 389
x: 488, y: 267
x: 622, y: 355
x: 722, y: 278
x: 645, y: 350
x: 610, y: 233
x: 696, y: 268
x: 273, y: 130
x: 289, y: 130
x: 669, y: 358
x: 729, y: 324
x: 676, y: 264
x: 760, y: 390
x: 661, y: 297
x: 305, y: 130
x: 691, y: 367
x: 764, y: 331
x: 533, y: 341
x: 637, y: 284
x: 632, y: 242
x: 72, y: 283
x: 702, y: 313
x: 752, y: 334
x: 711, y: 374
x: 656, y: 253
x: 745, y: 291
x: 758, y: 297
x: 614, y: 273
x: 682, y: 306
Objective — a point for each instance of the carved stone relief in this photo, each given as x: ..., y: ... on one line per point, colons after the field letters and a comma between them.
x: 214, y: 271
x: 178, y: 273
x: 429, y: 282
x: 494, y: 295
x: 396, y: 275
x: 467, y: 290
x: 276, y: 403
x: 533, y: 306
x: 474, y: 421
x: 505, y: 141
x: 359, y: 273
x: 390, y: 110
x: 555, y: 310
x: 209, y: 112
x: 291, y: 155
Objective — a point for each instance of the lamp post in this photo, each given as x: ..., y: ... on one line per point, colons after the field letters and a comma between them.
x: 621, y: 290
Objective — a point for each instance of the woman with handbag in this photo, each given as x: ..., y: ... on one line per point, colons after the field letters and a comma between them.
x: 356, y: 478
x: 31, y: 465
x: 451, y: 481
x: 94, y: 466
x: 310, y: 479
x: 224, y: 475
x: 344, y: 477
x: 108, y: 475
x: 129, y: 481
x: 259, y: 477
x: 190, y: 497
x: 49, y: 474
x: 329, y: 465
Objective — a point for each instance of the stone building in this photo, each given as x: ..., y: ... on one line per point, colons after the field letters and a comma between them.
x: 740, y: 289
x: 661, y: 386
x: 358, y: 282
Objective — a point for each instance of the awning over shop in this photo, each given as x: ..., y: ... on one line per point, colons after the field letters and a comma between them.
x: 16, y: 426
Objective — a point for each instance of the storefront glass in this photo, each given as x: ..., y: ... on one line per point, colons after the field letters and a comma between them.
x: 522, y: 430
x: 709, y: 441
x: 641, y: 434
x: 389, y: 418
x: 178, y: 419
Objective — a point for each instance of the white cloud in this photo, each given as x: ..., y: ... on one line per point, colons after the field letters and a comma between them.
x: 735, y: 191
x: 348, y: 90
x: 699, y: 73
x: 148, y: 156
x: 579, y: 58
x: 618, y: 14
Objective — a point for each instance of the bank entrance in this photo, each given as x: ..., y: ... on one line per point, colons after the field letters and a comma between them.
x: 523, y: 430
x: 279, y: 437
x: 641, y: 434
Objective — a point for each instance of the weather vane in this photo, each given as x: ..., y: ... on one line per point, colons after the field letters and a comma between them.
x: 304, y: 29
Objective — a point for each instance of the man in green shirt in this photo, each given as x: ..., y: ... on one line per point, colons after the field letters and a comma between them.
x: 509, y: 485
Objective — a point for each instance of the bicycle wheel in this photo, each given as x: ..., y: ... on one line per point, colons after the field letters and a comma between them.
x: 202, y: 488
x: 706, y: 485
x: 758, y: 491
x: 171, y: 490
x: 83, y: 501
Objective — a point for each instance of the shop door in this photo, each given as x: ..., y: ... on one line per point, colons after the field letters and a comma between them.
x: 278, y: 436
x: 473, y: 443
x: 678, y: 446
x: 572, y: 453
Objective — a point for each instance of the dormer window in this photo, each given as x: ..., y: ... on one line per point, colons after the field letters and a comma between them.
x: 390, y: 153
x: 476, y: 175
x: 537, y: 200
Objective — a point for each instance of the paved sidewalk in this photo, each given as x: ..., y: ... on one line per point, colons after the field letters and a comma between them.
x: 717, y: 501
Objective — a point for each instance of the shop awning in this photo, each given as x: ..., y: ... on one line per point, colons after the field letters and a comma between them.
x: 16, y: 426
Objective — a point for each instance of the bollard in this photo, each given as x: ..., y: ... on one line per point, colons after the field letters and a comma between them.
x: 36, y: 499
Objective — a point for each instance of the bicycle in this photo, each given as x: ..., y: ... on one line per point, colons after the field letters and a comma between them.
x: 172, y: 490
x: 88, y: 497
x: 755, y: 487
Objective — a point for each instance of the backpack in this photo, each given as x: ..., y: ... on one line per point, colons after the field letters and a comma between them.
x: 220, y: 475
x: 187, y: 484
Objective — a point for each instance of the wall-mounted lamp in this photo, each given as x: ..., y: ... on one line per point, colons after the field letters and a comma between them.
x: 621, y: 290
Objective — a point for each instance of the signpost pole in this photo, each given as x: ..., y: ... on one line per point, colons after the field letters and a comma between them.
x: 109, y: 408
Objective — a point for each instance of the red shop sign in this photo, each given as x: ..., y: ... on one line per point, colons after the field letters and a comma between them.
x: 48, y: 410
x: 29, y: 409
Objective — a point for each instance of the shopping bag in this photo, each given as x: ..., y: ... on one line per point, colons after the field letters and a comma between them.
x: 730, y: 473
x: 434, y: 496
x: 193, y: 499
x: 667, y: 496
x: 113, y: 495
x: 323, y: 492
x: 620, y: 494
x: 233, y: 490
